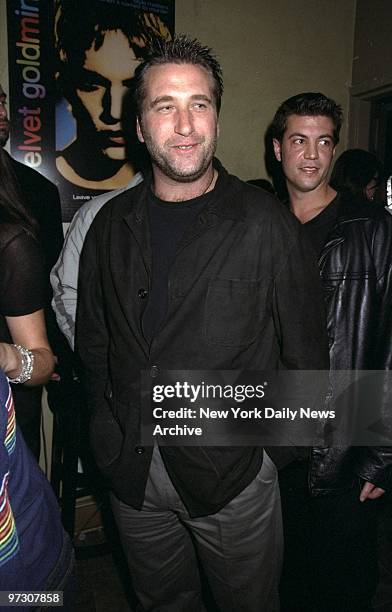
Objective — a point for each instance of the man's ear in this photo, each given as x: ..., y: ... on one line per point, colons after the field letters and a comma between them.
x: 139, y: 130
x: 277, y: 149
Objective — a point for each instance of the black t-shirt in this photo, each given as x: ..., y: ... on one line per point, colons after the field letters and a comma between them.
x: 317, y: 231
x: 318, y: 228
x: 168, y: 223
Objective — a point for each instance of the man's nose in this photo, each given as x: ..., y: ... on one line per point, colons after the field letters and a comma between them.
x: 3, y: 111
x: 311, y: 150
x: 117, y: 95
x: 184, y: 122
x: 112, y: 104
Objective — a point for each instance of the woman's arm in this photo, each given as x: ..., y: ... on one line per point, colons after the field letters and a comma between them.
x: 28, y: 331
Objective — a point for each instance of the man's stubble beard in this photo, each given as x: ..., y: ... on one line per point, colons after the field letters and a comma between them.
x: 4, y: 135
x: 169, y: 167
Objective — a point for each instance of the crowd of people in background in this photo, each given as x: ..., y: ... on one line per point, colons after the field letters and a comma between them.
x: 187, y: 267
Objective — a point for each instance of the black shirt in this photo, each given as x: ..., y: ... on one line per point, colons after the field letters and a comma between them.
x: 168, y: 222
x: 317, y: 231
x: 318, y: 228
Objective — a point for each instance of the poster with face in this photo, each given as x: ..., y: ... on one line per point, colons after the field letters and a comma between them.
x: 77, y: 73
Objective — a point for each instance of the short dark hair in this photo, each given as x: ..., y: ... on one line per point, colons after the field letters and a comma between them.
x: 354, y: 170
x: 76, y: 30
x: 180, y: 50
x: 307, y: 104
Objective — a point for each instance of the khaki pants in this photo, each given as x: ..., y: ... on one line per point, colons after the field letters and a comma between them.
x: 239, y: 547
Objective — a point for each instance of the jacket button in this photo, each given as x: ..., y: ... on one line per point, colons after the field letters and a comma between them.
x: 139, y: 450
x: 142, y: 293
x: 110, y: 394
x: 154, y: 371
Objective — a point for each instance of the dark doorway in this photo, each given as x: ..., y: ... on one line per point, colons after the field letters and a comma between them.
x: 380, y: 141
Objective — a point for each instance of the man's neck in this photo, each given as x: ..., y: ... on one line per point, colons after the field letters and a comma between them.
x: 170, y: 190
x: 307, y: 205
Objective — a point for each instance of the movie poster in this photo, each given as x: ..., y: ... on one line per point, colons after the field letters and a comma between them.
x: 70, y: 70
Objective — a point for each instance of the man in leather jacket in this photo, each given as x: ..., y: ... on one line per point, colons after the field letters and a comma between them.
x: 330, y: 496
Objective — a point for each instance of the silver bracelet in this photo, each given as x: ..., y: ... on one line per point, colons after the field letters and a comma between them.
x: 27, y: 364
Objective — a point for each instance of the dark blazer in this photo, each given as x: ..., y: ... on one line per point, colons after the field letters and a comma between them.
x: 242, y: 294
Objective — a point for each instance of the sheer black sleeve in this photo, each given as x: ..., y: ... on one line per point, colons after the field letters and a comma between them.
x: 22, y: 278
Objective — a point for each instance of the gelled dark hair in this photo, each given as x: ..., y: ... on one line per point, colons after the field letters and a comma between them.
x: 307, y: 104
x: 79, y: 27
x: 180, y: 50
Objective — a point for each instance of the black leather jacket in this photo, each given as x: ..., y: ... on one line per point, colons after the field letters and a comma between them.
x: 356, y: 272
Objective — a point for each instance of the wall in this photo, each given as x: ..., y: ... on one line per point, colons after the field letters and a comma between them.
x: 372, y: 66
x: 269, y: 50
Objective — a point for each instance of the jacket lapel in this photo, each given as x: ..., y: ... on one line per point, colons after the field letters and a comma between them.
x: 130, y: 242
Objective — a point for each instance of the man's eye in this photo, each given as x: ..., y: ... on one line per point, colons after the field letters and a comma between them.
x: 200, y: 106
x: 88, y: 86
x: 165, y: 109
x: 299, y: 141
x: 325, y: 142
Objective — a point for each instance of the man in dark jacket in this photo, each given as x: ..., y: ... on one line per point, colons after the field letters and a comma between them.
x: 329, y: 495
x: 191, y: 269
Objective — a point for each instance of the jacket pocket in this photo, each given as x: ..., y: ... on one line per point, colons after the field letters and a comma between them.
x: 106, y: 438
x: 235, y: 310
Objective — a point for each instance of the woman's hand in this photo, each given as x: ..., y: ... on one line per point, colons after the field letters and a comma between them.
x: 10, y: 360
